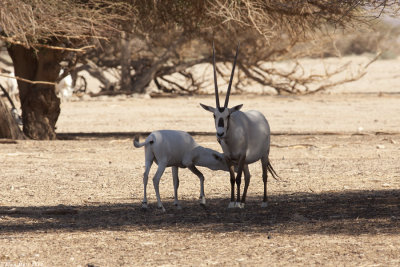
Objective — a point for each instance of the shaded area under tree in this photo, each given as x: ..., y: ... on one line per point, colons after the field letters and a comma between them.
x: 350, y: 213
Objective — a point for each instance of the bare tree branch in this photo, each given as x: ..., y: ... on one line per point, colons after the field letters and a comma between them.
x: 26, y: 80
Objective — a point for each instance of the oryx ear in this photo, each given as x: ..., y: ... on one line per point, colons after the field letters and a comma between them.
x: 208, y: 108
x: 235, y: 108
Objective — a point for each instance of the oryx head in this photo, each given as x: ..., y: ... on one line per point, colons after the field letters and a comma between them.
x: 222, y: 114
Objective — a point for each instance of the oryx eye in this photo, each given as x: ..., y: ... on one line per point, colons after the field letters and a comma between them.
x: 214, y: 116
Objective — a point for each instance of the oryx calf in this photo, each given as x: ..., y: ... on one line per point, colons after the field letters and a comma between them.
x: 175, y: 149
x: 244, y: 138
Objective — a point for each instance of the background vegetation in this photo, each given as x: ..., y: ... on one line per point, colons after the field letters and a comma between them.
x: 144, y: 41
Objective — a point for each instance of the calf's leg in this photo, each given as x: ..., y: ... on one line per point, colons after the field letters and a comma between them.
x: 201, y: 177
x: 145, y: 180
x: 176, y: 186
x: 156, y: 183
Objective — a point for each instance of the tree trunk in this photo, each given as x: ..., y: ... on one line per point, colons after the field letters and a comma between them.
x: 126, y: 53
x: 39, y: 102
x: 8, y: 127
x: 146, y: 77
x: 144, y: 80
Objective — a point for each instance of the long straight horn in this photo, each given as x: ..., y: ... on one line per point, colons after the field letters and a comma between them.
x: 215, y: 80
x: 228, y: 92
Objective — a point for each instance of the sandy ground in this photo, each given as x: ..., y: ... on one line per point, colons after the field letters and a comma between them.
x: 311, y: 114
x: 77, y: 201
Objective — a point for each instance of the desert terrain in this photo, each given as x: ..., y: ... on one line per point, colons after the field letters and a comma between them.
x: 77, y: 201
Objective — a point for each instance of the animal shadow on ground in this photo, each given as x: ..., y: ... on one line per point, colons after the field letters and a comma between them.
x: 348, y: 212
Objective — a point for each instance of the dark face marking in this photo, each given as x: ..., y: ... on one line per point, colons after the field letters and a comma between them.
x: 217, y: 157
x: 221, y: 122
x: 221, y: 109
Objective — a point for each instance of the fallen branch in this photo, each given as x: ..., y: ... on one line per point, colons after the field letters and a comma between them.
x: 8, y: 141
x: 295, y: 146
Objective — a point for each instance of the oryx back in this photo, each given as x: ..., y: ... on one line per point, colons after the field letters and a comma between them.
x: 175, y: 143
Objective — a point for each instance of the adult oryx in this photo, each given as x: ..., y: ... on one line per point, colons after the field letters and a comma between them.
x: 244, y: 138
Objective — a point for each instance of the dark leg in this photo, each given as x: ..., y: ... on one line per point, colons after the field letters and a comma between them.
x: 232, y: 179
x: 246, y: 182
x: 239, y: 181
x: 264, y: 164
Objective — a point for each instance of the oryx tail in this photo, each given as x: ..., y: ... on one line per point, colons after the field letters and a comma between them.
x: 137, y: 144
x: 272, y: 171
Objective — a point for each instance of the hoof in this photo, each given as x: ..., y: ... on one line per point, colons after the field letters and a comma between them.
x: 202, y: 201
x: 178, y: 207
x: 239, y: 205
x: 161, y: 209
x: 144, y: 205
x: 231, y: 205
x: 264, y: 204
